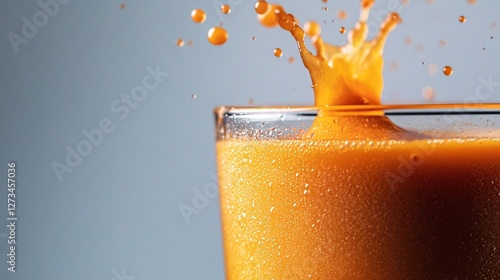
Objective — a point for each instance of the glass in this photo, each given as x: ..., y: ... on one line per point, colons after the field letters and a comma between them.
x: 360, y: 192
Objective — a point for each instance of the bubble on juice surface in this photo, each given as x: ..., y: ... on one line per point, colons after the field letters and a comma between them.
x: 226, y: 9
x: 261, y: 7
x: 179, y: 42
x: 198, y: 15
x: 278, y: 52
x: 462, y: 19
x: 217, y: 35
x: 447, y: 70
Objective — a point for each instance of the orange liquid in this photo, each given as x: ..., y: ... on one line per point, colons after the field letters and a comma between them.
x: 321, y: 207
x: 324, y: 209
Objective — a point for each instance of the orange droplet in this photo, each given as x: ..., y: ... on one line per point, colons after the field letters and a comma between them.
x: 341, y: 15
x: 217, y: 35
x: 291, y: 59
x: 408, y: 41
x: 428, y: 93
x: 394, y: 66
x: 342, y: 30
x: 432, y: 69
x: 442, y: 43
x: 405, y: 2
x: 312, y: 28
x: 261, y: 7
x: 226, y: 9
x: 447, y: 70
x: 198, y: 15
x: 324, y: 1
x: 122, y: 6
x: 190, y: 43
x: 269, y: 19
x: 471, y: 1
x: 278, y: 52
x: 462, y: 19
x: 180, y: 42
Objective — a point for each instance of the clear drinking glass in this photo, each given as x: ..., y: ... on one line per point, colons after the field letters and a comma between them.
x: 360, y: 192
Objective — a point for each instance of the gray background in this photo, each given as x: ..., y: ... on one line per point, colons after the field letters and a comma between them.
x: 116, y: 215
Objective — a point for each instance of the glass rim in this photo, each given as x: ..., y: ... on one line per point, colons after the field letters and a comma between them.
x: 390, y: 109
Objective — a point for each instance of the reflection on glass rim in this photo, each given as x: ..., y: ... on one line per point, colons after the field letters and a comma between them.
x: 391, y: 109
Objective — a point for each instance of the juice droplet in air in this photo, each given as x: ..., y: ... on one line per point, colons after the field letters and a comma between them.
x: 198, y: 15
x: 291, y: 59
x: 261, y: 7
x: 342, y: 15
x: 428, y: 93
x: 447, y: 70
x: 122, y: 6
x: 344, y: 75
x: 462, y: 19
x: 217, y: 35
x: 179, y: 42
x: 342, y: 30
x: 254, y: 38
x: 278, y: 52
x: 226, y: 9
x: 432, y: 69
x: 312, y: 28
x: 269, y: 19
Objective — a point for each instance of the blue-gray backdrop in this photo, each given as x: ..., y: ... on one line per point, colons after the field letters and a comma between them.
x: 97, y: 110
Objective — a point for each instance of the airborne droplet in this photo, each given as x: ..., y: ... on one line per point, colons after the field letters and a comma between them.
x: 342, y: 30
x: 278, y: 52
x: 198, y: 15
x: 462, y: 19
x: 217, y: 35
x: 261, y: 7
x: 226, y: 9
x: 447, y: 70
x: 179, y: 42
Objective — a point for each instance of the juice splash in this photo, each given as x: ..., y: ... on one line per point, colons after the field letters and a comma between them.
x: 341, y: 75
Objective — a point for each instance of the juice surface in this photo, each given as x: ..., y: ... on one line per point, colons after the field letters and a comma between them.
x: 335, y: 209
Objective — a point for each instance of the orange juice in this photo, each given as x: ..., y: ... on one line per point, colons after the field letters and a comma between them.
x: 355, y: 196
x: 423, y: 208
